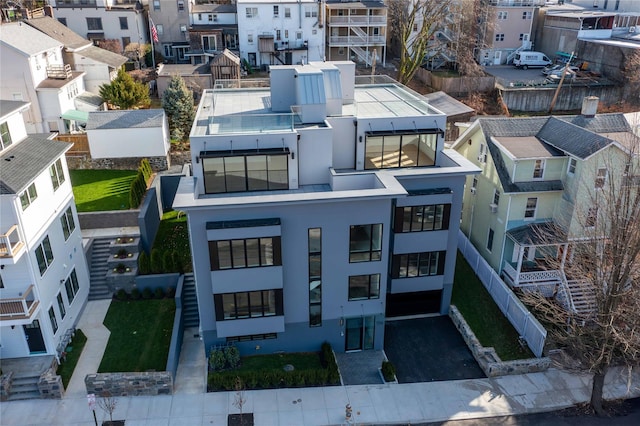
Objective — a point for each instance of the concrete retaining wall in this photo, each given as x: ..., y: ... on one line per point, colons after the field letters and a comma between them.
x: 455, y: 86
x: 488, y: 359
x: 130, y: 384
x: 570, y: 96
x: 149, y: 219
x: 110, y: 219
x: 177, y: 334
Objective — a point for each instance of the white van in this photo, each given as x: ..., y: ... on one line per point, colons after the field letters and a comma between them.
x: 526, y: 60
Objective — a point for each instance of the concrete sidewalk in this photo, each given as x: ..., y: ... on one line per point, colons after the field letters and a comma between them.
x: 395, y: 403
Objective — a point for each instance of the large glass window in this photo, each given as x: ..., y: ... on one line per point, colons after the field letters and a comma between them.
x: 315, y: 276
x: 248, y: 304
x: 247, y: 253
x: 28, y: 196
x: 422, y: 218
x: 68, y: 225
x: 398, y: 150
x: 44, y: 255
x: 364, y: 287
x: 57, y: 174
x: 365, y: 243
x: 71, y: 286
x: 245, y: 173
x: 412, y: 265
x: 5, y: 136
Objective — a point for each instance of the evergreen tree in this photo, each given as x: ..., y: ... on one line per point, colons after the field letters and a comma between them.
x: 124, y: 92
x: 177, y: 102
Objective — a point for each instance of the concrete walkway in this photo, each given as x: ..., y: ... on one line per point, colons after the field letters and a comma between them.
x: 408, y: 403
x: 97, y: 337
x: 191, y: 377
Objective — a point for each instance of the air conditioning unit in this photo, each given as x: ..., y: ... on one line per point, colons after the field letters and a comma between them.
x: 493, y: 208
x: 473, y: 191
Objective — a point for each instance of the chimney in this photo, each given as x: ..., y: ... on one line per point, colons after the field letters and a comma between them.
x: 590, y: 106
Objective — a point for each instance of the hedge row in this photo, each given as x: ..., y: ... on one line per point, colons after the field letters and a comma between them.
x: 146, y: 293
x: 272, y: 379
x: 139, y: 183
x: 160, y: 262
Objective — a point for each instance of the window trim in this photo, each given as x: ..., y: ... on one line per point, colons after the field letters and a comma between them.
x: 400, y: 221
x: 530, y: 212
x: 372, y: 252
x: 571, y: 167
x: 56, y: 172
x: 219, y: 305
x: 490, y: 238
x: 402, y: 259
x: 46, y: 257
x: 67, y: 219
x: 5, y: 135
x: 72, y: 286
x: 214, y: 253
x: 61, y: 307
x: 315, y: 320
x: 370, y: 282
x: 96, y: 23
x: 53, y: 320
x: 538, y: 169
x: 601, y: 178
x: 124, y: 23
x: 27, y: 198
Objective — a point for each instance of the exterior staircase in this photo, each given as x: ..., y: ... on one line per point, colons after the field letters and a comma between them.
x: 24, y: 387
x: 576, y: 296
x: 99, y: 288
x: 190, y: 302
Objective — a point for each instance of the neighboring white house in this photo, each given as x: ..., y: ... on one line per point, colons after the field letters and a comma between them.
x: 276, y: 32
x: 33, y: 70
x: 96, y: 20
x: 44, y: 279
x: 99, y: 65
x: 128, y: 133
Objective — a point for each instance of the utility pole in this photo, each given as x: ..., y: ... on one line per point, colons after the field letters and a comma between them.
x: 564, y: 73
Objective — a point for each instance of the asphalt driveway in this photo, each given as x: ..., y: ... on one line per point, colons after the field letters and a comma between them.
x: 427, y: 350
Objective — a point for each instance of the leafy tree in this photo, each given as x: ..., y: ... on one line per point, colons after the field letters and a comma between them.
x: 125, y: 93
x: 424, y: 16
x: 177, y: 101
x: 605, y: 263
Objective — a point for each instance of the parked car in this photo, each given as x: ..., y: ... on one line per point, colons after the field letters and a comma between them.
x: 550, y: 68
x: 557, y: 74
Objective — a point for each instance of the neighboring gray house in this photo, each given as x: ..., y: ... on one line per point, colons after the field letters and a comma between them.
x: 319, y: 205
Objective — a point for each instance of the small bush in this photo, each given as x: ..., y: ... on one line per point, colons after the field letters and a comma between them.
x: 217, y: 360
x: 159, y: 293
x: 122, y: 294
x: 135, y: 294
x: 167, y: 262
x: 177, y: 262
x: 147, y: 293
x: 156, y: 261
x: 388, y: 371
x: 171, y: 292
x: 144, y: 265
x: 232, y: 356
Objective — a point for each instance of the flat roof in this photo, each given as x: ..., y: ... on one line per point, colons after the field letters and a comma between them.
x: 246, y: 110
x: 527, y: 147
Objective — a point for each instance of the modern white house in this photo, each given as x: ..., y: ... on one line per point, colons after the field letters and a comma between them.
x: 122, y: 20
x: 44, y: 279
x: 99, y: 65
x: 277, y: 32
x: 142, y: 133
x: 319, y: 204
x: 33, y: 70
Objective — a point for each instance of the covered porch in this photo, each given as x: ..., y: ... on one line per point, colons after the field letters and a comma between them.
x: 538, y: 253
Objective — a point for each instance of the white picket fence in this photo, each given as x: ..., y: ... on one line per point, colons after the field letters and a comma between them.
x: 522, y: 320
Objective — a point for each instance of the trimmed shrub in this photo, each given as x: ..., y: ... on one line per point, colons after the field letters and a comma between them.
x: 171, y: 292
x: 177, y: 262
x: 159, y: 293
x: 388, y: 371
x: 217, y: 360
x: 232, y: 356
x: 167, y: 262
x: 156, y: 261
x: 135, y: 294
x: 122, y: 294
x: 147, y: 293
x: 144, y: 264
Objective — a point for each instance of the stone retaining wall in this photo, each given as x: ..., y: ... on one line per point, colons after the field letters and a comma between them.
x: 75, y: 161
x: 50, y: 385
x: 5, y: 385
x: 488, y: 359
x: 130, y: 384
x: 180, y: 157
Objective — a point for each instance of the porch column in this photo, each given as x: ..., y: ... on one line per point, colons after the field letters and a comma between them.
x: 519, y: 265
x: 564, y: 255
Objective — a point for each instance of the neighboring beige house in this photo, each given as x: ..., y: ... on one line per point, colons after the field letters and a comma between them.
x: 505, y: 29
x: 355, y: 30
x: 538, y: 173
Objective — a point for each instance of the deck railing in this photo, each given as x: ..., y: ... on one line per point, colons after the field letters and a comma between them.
x: 10, y: 242
x: 19, y: 307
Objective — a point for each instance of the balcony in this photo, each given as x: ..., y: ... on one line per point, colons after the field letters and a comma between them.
x: 59, y: 72
x: 11, y: 246
x: 517, y: 3
x: 532, y: 274
x: 358, y: 20
x: 355, y: 40
x: 76, y: 3
x: 19, y: 308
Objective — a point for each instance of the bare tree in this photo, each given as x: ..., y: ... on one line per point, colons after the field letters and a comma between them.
x: 107, y: 403
x: 414, y: 25
x: 631, y: 73
x: 240, y: 398
x: 604, y: 261
x: 468, y: 35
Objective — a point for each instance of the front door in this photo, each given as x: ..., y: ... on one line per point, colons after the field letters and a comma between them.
x: 33, y: 334
x: 497, y: 57
x: 360, y: 333
x: 288, y: 58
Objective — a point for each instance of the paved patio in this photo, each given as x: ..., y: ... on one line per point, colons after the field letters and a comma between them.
x: 360, y: 368
x: 427, y: 350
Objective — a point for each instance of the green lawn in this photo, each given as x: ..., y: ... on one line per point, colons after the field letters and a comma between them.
x: 101, y: 190
x: 65, y: 369
x: 140, y: 335
x: 173, y: 234
x: 484, y: 317
x: 300, y: 360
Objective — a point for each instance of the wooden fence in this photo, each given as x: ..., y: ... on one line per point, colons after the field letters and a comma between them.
x: 80, y: 143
